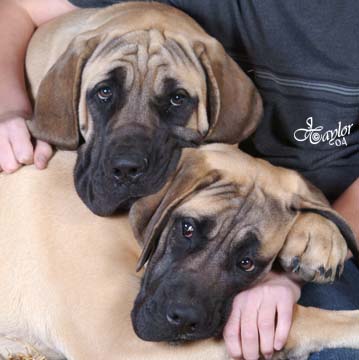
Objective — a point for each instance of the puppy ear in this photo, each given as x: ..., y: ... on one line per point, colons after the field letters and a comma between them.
x: 56, y: 105
x: 149, y: 215
x: 235, y: 106
x: 311, y: 199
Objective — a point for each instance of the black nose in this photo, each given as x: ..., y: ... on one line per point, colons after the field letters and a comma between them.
x: 129, y: 167
x: 185, y: 317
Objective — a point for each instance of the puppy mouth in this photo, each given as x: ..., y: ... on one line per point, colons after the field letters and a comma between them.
x: 105, y: 195
x: 178, y: 339
x: 185, y: 338
x: 152, y: 326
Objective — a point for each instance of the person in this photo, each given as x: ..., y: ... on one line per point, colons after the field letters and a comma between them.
x: 302, y: 55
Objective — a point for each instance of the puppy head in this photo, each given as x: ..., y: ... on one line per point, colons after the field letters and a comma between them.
x: 212, y: 232
x: 130, y: 96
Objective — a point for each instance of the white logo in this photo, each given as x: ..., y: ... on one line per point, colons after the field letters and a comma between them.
x: 317, y: 135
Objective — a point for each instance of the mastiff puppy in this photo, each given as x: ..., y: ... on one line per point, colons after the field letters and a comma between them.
x: 68, y: 279
x: 233, y: 215
x: 67, y: 276
x: 129, y: 86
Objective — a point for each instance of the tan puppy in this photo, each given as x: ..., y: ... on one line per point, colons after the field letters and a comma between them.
x: 67, y: 276
x: 216, y: 229
x: 130, y: 86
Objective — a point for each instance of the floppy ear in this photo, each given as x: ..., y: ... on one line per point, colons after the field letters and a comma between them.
x: 56, y: 105
x: 235, y: 106
x: 311, y: 199
x: 149, y: 215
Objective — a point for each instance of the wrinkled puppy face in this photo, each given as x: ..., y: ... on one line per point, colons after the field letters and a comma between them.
x: 130, y: 100
x: 218, y: 242
x: 139, y: 109
x: 215, y: 229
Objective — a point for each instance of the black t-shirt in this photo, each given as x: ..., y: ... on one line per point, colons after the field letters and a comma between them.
x: 304, y: 58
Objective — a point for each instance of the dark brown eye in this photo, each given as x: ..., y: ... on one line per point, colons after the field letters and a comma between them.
x: 187, y: 230
x: 246, y: 264
x: 104, y: 93
x: 179, y: 97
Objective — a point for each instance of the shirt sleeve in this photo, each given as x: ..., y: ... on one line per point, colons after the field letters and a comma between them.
x: 221, y: 19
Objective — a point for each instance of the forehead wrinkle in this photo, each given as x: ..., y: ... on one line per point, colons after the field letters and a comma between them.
x: 130, y: 72
x: 157, y: 62
x: 115, y: 45
x: 92, y: 78
x: 171, y: 54
x: 220, y: 195
x: 229, y: 224
x: 142, y: 61
x: 223, y: 190
x: 132, y: 50
x: 179, y: 52
x: 166, y: 51
x: 232, y: 220
x: 157, y: 71
x: 252, y: 222
x: 166, y: 62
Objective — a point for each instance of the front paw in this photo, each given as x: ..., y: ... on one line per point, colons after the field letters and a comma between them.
x: 314, y: 249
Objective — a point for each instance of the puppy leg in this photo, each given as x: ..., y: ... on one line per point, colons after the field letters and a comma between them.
x: 314, y: 329
x: 314, y: 248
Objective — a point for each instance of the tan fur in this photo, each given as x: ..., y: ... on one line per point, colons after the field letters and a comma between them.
x: 67, y: 277
x: 278, y: 195
x: 74, y: 52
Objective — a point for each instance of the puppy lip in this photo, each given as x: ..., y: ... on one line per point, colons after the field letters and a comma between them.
x: 153, y: 334
x: 100, y: 210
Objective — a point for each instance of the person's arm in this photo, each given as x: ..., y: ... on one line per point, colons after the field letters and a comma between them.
x: 18, y: 20
x: 347, y: 205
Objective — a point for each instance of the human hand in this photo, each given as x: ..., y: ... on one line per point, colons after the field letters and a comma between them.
x: 16, y: 148
x: 261, y: 318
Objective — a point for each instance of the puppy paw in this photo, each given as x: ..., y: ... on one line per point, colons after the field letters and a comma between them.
x: 314, y: 249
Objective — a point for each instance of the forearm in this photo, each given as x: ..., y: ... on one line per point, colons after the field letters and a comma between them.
x: 16, y: 28
x: 290, y: 280
x: 347, y: 205
x: 18, y: 20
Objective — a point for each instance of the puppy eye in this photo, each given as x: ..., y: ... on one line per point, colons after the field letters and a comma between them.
x: 104, y: 93
x: 187, y: 229
x: 246, y: 264
x: 179, y: 98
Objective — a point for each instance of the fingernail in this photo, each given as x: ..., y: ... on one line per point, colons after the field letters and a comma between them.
x: 268, y: 356
x: 23, y: 159
x: 278, y: 346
